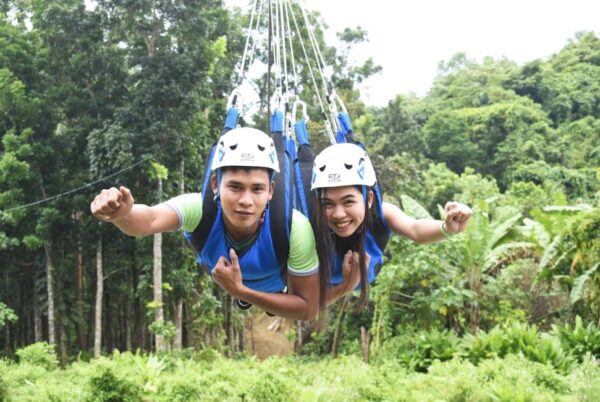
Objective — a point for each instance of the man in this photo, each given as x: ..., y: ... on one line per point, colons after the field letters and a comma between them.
x: 239, y: 246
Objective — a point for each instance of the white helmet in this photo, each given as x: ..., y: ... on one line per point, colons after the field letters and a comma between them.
x: 245, y: 146
x: 343, y: 165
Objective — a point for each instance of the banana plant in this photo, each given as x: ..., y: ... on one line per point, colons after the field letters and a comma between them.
x: 486, y: 246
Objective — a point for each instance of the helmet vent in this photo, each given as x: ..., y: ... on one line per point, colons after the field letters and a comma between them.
x: 348, y: 166
x: 322, y: 168
x: 233, y: 147
x: 260, y: 147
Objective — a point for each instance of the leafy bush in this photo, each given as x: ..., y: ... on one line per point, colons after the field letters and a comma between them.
x: 39, y: 354
x: 516, y: 338
x: 270, y: 387
x: 106, y: 386
x: 417, y: 351
x: 579, y: 340
x: 3, y: 384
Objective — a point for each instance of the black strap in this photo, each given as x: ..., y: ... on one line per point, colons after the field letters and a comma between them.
x: 305, y: 158
x: 281, y: 206
x: 209, y: 205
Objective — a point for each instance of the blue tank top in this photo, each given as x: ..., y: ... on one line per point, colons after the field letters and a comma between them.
x: 259, y: 266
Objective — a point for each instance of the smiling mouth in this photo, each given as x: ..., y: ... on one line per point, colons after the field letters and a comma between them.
x: 342, y: 225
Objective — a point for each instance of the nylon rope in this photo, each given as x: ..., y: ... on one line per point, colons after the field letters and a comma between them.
x: 270, y: 35
x: 289, y: 31
x: 320, y: 64
x: 243, y: 66
x: 260, y: 10
x: 283, y: 45
x: 310, y: 70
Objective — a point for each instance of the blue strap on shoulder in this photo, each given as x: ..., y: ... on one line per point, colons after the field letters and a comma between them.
x: 277, y: 122
x: 345, y: 123
x: 233, y: 115
x: 301, y: 132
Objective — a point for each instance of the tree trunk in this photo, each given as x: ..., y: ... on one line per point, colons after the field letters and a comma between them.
x: 157, y: 274
x: 299, y: 343
x: 50, y: 290
x: 64, y: 355
x: 338, y: 327
x: 229, y: 323
x: 79, y: 328
x: 37, y: 314
x: 99, y: 292
x: 365, y: 340
x: 179, y: 325
x: 475, y: 284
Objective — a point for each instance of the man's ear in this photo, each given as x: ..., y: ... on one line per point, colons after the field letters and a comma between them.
x: 214, y: 183
x: 370, y: 198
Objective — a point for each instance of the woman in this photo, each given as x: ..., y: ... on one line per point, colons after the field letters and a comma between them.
x: 352, y: 224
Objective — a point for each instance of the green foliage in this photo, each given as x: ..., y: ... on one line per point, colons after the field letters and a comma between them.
x: 580, y: 339
x: 165, y: 329
x: 38, y: 354
x: 6, y: 315
x: 417, y: 351
x: 270, y: 386
x: 517, y: 338
x: 3, y: 384
x: 106, y: 386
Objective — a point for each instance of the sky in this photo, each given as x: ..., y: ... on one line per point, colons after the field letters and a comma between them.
x: 409, y: 38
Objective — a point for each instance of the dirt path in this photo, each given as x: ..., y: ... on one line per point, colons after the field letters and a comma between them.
x: 262, y: 342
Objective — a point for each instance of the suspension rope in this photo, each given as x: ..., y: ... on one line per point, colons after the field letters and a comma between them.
x: 260, y: 11
x: 334, y: 123
x: 270, y: 40
x: 315, y: 46
x: 289, y: 36
x: 90, y: 184
x: 285, y: 33
x: 243, y: 65
x: 310, y: 69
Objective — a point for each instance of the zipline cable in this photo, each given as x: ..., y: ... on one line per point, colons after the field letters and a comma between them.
x: 78, y: 188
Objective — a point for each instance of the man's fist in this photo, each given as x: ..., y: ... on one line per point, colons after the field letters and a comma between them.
x: 112, y: 204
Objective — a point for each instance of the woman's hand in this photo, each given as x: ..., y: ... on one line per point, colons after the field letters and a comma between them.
x: 456, y: 217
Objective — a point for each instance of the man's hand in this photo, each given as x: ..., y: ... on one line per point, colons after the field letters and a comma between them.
x: 228, y: 274
x: 112, y: 204
x: 457, y: 216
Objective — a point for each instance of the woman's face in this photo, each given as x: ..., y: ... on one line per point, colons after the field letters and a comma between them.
x: 344, y: 209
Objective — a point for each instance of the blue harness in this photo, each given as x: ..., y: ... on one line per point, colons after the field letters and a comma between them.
x: 375, y: 243
x: 259, y: 265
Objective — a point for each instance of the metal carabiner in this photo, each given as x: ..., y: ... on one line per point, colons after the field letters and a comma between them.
x: 295, y: 110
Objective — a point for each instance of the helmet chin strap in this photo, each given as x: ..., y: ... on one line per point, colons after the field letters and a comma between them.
x: 218, y: 173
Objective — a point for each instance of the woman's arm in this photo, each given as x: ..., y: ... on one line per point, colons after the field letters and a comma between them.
x: 427, y: 230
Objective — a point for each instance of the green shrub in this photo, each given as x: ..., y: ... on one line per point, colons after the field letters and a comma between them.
x: 417, y: 351
x: 106, y: 386
x: 270, y: 386
x: 39, y: 354
x: 579, y: 340
x: 3, y: 384
x: 516, y: 338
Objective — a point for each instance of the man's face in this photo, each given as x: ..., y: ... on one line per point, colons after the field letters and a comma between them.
x: 244, y: 195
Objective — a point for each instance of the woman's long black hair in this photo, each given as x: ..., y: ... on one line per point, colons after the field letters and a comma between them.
x: 329, y: 245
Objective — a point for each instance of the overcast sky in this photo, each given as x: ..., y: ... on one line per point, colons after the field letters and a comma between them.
x: 409, y: 38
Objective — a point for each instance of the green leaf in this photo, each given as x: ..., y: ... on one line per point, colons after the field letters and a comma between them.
x: 413, y: 208
x: 579, y: 284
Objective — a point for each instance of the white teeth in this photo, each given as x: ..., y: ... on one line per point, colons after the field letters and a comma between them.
x: 342, y: 225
